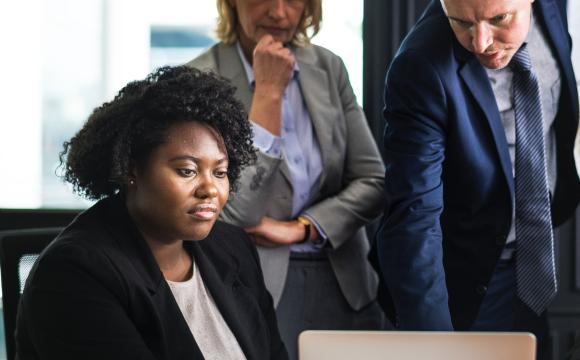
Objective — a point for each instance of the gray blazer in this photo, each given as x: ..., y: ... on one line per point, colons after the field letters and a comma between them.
x: 349, y: 193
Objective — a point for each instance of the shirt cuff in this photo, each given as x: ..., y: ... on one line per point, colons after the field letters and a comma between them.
x: 266, y: 142
x: 322, y: 239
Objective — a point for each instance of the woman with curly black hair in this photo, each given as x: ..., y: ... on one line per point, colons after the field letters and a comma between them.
x: 147, y: 272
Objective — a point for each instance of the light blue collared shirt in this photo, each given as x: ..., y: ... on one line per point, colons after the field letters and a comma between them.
x: 297, y: 145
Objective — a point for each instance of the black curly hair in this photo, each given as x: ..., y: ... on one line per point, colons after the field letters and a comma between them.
x: 125, y: 131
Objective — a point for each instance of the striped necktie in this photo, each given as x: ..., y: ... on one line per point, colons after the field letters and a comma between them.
x: 535, y: 266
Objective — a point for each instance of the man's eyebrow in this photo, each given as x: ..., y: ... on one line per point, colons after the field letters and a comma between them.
x: 458, y: 19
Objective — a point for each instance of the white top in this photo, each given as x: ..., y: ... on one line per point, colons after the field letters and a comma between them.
x: 209, y: 329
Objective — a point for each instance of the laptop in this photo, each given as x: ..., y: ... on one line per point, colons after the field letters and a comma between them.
x: 415, y: 345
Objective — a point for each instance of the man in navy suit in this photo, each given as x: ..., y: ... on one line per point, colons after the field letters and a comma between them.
x: 447, y: 247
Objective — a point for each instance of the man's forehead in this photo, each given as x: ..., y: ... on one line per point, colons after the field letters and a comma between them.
x: 481, y: 8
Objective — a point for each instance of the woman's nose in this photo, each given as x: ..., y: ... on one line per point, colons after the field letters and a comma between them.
x: 206, y: 189
x: 277, y: 10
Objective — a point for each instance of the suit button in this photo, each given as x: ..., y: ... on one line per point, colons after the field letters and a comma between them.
x: 481, y: 289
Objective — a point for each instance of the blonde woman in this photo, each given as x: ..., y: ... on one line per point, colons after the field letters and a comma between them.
x: 318, y: 179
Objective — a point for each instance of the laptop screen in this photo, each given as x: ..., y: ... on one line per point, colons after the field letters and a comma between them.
x: 408, y: 345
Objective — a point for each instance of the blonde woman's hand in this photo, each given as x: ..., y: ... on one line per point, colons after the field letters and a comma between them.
x: 273, y: 65
x: 270, y: 232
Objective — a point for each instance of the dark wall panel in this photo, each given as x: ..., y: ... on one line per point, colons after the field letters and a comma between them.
x: 386, y: 22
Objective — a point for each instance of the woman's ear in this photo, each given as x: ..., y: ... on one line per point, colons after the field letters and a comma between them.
x: 132, y: 175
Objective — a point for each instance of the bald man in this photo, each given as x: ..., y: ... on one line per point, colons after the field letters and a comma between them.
x: 463, y: 244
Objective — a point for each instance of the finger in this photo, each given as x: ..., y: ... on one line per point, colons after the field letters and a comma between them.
x: 262, y: 241
x: 276, y: 45
x: 252, y: 237
x: 265, y: 43
x: 286, y: 52
x: 266, y: 39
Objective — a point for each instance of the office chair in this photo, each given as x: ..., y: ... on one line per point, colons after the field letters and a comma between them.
x: 19, y: 249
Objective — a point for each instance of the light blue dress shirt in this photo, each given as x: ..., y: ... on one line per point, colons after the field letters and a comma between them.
x: 297, y: 145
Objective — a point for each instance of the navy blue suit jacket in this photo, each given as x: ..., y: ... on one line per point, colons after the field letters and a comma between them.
x: 449, y: 187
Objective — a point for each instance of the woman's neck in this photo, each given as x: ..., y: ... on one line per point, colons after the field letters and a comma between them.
x: 175, y: 262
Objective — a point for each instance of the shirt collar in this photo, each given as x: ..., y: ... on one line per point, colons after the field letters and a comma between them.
x: 250, y: 72
x: 532, y: 25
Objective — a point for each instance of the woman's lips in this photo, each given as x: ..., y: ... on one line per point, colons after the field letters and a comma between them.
x: 204, y: 211
x: 274, y: 31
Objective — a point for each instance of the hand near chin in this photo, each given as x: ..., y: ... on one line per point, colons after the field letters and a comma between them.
x: 273, y: 65
x: 271, y: 233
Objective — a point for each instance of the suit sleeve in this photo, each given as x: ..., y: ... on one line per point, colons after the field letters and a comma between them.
x: 246, y: 207
x: 409, y: 243
x: 574, y: 353
x: 359, y: 201
x: 70, y: 312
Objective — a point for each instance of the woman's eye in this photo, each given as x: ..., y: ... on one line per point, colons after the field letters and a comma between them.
x: 186, y: 172
x: 221, y: 173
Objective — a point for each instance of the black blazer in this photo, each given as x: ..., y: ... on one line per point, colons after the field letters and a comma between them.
x: 96, y: 292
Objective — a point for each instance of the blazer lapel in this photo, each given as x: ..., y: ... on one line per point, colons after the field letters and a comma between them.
x: 132, y: 244
x: 550, y: 19
x: 180, y: 341
x: 314, y: 85
x: 475, y: 77
x: 230, y: 66
x: 220, y: 276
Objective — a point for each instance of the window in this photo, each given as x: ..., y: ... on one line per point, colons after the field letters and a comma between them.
x: 66, y: 57
x: 63, y: 58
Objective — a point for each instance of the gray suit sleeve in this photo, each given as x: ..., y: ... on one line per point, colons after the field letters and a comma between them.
x: 360, y: 199
x: 247, y: 206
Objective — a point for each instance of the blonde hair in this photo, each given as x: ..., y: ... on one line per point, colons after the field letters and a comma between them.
x: 228, y: 22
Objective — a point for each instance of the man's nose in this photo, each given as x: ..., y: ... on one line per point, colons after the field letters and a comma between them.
x: 482, y: 38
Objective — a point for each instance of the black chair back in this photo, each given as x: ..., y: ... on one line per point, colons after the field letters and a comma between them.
x: 19, y: 249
